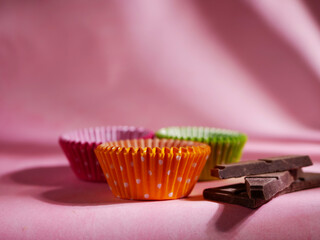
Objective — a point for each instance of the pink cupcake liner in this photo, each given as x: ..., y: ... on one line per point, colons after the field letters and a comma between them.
x: 79, y: 146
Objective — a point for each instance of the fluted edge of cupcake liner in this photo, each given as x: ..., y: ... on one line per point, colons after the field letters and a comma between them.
x: 226, y: 145
x: 152, y: 173
x: 79, y: 145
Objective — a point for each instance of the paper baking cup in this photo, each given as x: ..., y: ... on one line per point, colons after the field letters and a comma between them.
x: 152, y: 169
x: 226, y: 145
x: 79, y: 146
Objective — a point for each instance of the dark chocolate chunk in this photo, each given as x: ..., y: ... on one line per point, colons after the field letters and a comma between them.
x: 237, y: 193
x: 233, y: 194
x: 261, y: 166
x: 304, y: 181
x: 265, y: 186
x: 296, y: 173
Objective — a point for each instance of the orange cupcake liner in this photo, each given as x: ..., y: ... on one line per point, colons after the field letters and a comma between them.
x: 152, y: 169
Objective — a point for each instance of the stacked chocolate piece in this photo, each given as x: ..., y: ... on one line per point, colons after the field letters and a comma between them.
x: 264, y: 179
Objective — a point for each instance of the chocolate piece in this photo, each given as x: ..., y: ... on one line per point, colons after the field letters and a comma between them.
x: 261, y: 166
x: 305, y: 181
x: 265, y: 186
x: 237, y: 194
x: 296, y: 173
x: 233, y: 194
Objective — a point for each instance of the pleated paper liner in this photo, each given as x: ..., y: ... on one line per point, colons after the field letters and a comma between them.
x: 79, y: 146
x: 226, y: 145
x: 152, y: 169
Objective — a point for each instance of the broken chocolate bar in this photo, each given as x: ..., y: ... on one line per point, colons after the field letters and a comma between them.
x: 265, y: 186
x: 233, y: 194
x: 237, y: 193
x: 261, y: 166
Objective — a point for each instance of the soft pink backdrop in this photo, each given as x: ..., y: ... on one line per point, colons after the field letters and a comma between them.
x: 247, y: 65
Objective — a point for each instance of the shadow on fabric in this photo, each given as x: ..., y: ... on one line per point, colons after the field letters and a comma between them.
x: 58, y: 185
x: 225, y: 219
x: 44, y: 176
x: 278, y: 67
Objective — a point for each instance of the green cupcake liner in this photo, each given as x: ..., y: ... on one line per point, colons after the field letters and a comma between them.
x: 226, y: 145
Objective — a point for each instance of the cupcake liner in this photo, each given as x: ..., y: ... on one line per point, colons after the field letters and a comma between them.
x: 152, y: 169
x: 79, y: 146
x: 226, y: 145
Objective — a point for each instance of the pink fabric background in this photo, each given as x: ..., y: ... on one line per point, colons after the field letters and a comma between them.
x: 247, y: 65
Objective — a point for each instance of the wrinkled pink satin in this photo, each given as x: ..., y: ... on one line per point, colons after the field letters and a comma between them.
x: 252, y: 66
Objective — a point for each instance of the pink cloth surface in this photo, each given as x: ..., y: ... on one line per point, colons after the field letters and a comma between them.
x: 252, y: 66
x: 42, y: 199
